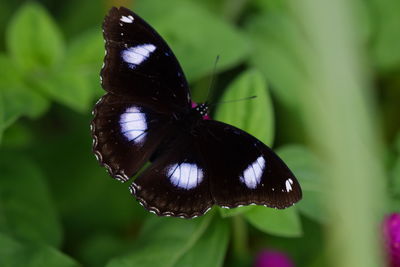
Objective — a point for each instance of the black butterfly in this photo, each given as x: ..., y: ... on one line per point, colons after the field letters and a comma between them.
x: 146, y: 115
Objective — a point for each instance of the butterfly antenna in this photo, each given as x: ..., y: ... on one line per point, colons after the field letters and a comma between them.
x: 234, y: 100
x: 212, y: 78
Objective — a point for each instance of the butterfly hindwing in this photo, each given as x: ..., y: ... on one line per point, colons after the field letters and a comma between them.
x: 243, y: 170
x: 125, y: 134
x: 177, y: 182
x: 138, y: 63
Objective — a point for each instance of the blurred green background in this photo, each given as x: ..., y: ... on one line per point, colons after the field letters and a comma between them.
x: 327, y: 79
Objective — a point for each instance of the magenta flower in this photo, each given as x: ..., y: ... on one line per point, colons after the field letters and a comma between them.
x: 271, y: 258
x: 391, y: 229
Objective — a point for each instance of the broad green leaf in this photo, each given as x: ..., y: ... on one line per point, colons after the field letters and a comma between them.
x: 33, y: 39
x: 18, y: 254
x: 210, y: 249
x: 26, y: 206
x: 254, y: 116
x: 68, y: 87
x: 195, y: 35
x: 278, y: 50
x: 75, y: 82
x: 235, y: 211
x: 98, y: 249
x: 17, y: 98
x: 284, y: 223
x: 17, y: 136
x: 163, y: 242
x: 87, y: 49
x: 85, y: 56
x: 305, y: 167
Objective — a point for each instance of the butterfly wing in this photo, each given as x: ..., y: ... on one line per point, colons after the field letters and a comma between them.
x: 245, y: 171
x: 139, y: 63
x: 215, y: 163
x: 125, y: 134
x: 146, y: 88
x: 177, y: 182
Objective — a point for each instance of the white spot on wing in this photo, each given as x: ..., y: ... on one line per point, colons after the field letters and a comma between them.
x: 134, y: 56
x: 133, y: 124
x: 185, y: 175
x: 252, y: 174
x: 288, y: 185
x: 127, y: 19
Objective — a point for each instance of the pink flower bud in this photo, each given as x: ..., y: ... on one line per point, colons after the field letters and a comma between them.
x: 392, y: 238
x: 270, y: 258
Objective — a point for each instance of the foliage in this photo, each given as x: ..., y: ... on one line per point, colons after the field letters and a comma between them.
x: 59, y: 208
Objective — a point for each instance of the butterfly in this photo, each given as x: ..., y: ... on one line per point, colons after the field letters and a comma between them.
x: 147, y: 116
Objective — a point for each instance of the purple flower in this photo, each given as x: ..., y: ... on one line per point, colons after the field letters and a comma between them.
x: 271, y: 258
x: 391, y: 230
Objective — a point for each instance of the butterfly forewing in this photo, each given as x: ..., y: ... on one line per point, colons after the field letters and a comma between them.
x: 139, y: 63
x: 243, y: 170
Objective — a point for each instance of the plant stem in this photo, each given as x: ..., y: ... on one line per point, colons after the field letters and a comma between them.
x: 240, y: 237
x: 339, y: 109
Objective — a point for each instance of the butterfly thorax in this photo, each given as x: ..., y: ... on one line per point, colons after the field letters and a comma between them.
x: 201, y: 110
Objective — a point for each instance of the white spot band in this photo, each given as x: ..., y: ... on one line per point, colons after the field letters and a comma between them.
x: 136, y: 55
x: 127, y: 19
x: 252, y: 174
x: 133, y: 124
x: 185, y: 175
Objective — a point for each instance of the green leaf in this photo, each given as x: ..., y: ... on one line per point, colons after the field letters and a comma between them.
x: 198, y: 40
x: 85, y: 57
x: 278, y: 50
x: 16, y: 254
x: 98, y: 249
x: 26, y: 206
x: 163, y: 242
x: 385, y: 46
x: 210, y: 249
x: 17, y: 99
x: 76, y: 81
x: 305, y: 167
x: 284, y: 223
x: 235, y: 211
x: 67, y: 87
x: 254, y: 116
x: 18, y: 136
x: 33, y: 39
x: 87, y: 49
